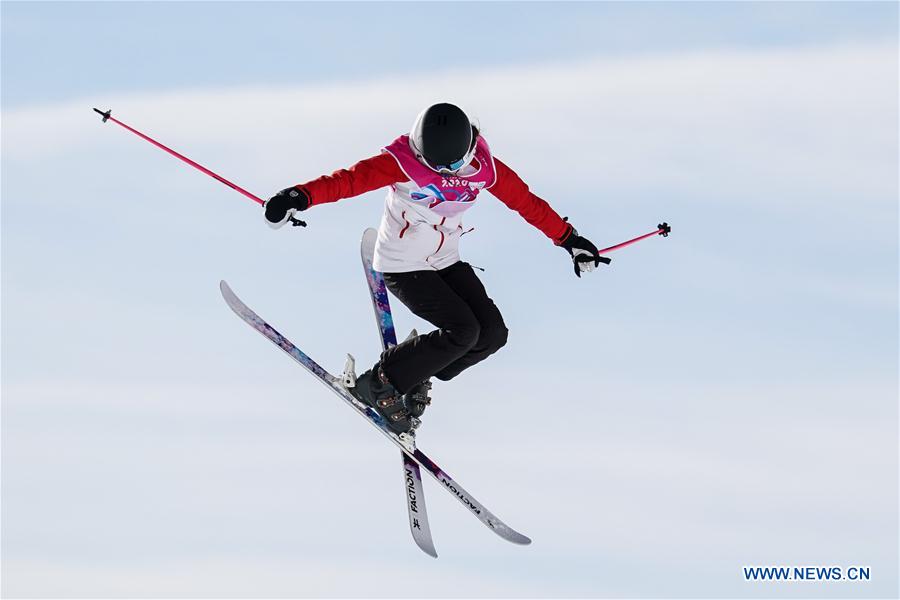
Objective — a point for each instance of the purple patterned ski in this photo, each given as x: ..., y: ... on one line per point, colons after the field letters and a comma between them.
x: 412, y: 475
x: 377, y: 289
x: 334, y: 384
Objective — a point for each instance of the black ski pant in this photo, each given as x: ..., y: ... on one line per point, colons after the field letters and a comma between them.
x: 470, y: 327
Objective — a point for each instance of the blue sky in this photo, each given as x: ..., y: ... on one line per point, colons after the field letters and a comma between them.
x: 723, y: 397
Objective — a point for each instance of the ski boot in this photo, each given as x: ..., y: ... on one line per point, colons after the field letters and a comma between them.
x: 373, y: 389
x: 417, y: 399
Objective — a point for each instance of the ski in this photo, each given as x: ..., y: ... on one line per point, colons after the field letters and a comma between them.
x: 412, y: 475
x: 403, y: 441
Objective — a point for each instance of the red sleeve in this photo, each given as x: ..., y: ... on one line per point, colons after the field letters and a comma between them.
x: 366, y: 175
x: 514, y: 193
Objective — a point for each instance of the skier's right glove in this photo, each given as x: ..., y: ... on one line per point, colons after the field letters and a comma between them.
x: 282, y: 206
x: 584, y: 253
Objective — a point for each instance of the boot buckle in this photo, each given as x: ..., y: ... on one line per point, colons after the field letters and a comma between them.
x: 399, y: 416
x: 386, y: 402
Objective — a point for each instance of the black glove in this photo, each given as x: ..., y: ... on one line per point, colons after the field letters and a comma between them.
x: 283, y: 205
x: 584, y: 253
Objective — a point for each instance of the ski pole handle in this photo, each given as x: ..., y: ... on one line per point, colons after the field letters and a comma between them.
x: 107, y: 116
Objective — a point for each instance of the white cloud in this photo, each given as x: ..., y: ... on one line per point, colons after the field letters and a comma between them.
x: 228, y: 491
x: 772, y: 125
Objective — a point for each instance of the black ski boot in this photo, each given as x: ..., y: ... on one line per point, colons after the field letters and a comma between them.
x: 417, y: 399
x: 373, y: 388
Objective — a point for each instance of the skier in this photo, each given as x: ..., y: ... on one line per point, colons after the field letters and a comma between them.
x: 435, y: 174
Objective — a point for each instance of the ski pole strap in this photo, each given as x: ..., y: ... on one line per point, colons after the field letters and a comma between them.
x: 296, y: 222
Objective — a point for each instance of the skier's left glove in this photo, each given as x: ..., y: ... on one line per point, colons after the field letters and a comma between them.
x: 282, y: 206
x: 584, y: 253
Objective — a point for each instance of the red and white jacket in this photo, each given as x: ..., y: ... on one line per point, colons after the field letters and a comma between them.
x: 422, y: 221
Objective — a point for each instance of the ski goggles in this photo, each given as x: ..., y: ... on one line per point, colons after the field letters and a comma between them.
x: 455, y: 165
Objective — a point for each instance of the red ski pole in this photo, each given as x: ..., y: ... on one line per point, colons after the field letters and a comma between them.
x: 107, y: 116
x: 662, y: 229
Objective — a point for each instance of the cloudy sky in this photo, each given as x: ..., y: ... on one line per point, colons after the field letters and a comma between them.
x: 721, y: 398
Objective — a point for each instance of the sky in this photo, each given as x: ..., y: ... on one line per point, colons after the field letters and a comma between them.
x: 721, y: 398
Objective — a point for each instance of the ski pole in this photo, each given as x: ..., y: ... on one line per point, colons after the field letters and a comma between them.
x: 107, y: 116
x: 662, y: 229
